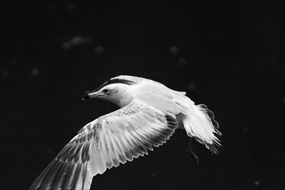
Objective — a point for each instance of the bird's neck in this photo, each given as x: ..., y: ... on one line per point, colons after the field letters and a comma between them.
x: 124, y: 102
x: 123, y: 99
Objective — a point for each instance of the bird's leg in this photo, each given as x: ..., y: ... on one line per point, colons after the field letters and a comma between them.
x: 190, y: 149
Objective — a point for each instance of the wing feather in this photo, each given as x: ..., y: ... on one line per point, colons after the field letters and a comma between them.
x: 107, y: 142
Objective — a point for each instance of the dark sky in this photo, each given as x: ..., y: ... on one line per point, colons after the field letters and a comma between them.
x: 228, y: 55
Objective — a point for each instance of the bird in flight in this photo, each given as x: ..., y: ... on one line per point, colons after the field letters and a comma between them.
x: 149, y: 114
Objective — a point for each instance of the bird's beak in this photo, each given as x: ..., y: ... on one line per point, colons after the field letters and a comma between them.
x: 91, y: 94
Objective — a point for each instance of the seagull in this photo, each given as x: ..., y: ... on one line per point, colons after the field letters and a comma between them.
x: 148, y: 116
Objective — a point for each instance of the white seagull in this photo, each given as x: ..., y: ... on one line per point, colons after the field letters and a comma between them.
x: 149, y: 114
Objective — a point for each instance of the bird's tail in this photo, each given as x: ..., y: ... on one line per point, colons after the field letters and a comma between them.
x: 199, y: 122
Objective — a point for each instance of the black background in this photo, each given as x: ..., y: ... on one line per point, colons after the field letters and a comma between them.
x: 228, y: 55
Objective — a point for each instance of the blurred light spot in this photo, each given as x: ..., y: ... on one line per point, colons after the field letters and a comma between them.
x: 75, y: 41
x: 181, y: 62
x: 13, y: 61
x: 174, y: 50
x: 53, y: 8
x: 152, y: 175
x: 283, y: 99
x: 66, y: 45
x: 256, y: 183
x: 5, y: 73
x: 99, y: 49
x: 35, y: 72
x: 191, y: 86
x: 70, y: 7
x: 245, y: 130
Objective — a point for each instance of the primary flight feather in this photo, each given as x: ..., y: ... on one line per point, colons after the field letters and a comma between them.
x: 149, y: 114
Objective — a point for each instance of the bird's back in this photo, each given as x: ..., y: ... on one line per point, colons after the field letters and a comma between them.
x: 197, y: 120
x: 161, y: 97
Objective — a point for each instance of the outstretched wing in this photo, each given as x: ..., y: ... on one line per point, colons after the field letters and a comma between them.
x: 108, y: 141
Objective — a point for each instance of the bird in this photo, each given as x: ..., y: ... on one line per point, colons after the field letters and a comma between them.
x: 149, y: 112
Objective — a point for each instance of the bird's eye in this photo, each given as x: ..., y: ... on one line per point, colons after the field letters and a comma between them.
x: 106, y: 91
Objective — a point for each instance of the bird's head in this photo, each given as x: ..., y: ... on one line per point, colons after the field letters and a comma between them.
x: 116, y: 90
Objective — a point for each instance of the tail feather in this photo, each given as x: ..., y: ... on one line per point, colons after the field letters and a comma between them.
x: 200, y: 123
